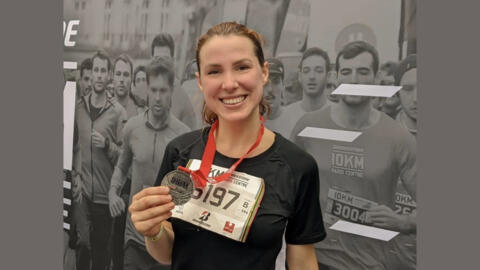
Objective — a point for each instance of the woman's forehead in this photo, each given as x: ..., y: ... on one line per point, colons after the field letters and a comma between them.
x: 226, y: 48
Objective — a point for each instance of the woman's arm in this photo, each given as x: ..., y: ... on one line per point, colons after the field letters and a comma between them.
x: 161, y: 248
x: 301, y: 257
x: 150, y: 208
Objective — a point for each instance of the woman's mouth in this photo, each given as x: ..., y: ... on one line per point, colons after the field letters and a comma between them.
x: 233, y: 101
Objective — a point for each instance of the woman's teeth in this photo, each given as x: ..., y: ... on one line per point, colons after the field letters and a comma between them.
x: 231, y: 101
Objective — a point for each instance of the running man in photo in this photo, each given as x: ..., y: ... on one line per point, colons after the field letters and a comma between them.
x: 145, y: 138
x: 122, y: 83
x: 139, y: 89
x: 358, y: 179
x: 163, y: 45
x: 385, y: 76
x: 313, y: 70
x: 273, y: 92
x: 100, y: 122
x: 84, y: 83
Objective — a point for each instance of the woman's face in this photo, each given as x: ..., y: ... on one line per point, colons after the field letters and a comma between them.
x: 231, y: 77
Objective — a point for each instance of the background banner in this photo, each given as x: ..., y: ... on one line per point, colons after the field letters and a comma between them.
x: 289, y: 27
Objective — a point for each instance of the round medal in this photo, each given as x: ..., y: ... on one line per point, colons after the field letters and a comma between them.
x: 181, y: 186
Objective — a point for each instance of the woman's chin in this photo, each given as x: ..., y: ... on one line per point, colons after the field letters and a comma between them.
x: 240, y: 116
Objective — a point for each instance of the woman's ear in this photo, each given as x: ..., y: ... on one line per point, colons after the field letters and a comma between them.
x: 265, y: 72
x: 199, y: 82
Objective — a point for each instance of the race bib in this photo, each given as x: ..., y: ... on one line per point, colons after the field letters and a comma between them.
x: 404, y: 204
x: 345, y: 206
x: 228, y: 207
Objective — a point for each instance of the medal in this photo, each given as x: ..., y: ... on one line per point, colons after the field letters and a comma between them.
x: 200, y: 177
x: 225, y: 204
x: 181, y: 186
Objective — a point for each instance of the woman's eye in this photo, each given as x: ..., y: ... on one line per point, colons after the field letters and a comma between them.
x: 243, y: 67
x: 212, y: 72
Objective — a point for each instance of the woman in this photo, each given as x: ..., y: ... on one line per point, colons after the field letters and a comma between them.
x: 231, y: 74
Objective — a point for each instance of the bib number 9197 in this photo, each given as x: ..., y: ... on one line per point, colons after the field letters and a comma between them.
x: 216, y: 196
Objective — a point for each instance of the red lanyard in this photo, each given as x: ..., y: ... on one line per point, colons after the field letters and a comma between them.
x: 200, y: 177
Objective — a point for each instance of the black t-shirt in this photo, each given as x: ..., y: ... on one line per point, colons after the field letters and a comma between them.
x: 290, y: 205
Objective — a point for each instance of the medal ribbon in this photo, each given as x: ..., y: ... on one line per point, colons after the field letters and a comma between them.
x: 200, y: 177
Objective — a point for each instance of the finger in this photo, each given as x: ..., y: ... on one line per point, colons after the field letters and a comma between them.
x: 158, y: 190
x: 122, y: 206
x: 375, y: 217
x: 383, y: 207
x: 379, y: 214
x: 114, y: 213
x: 378, y: 224
x: 148, y: 202
x: 144, y: 227
x: 379, y: 220
x: 385, y: 225
x: 152, y: 212
x: 152, y: 201
x: 115, y: 208
x: 110, y: 208
x: 378, y: 208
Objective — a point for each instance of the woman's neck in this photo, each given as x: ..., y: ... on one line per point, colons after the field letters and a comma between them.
x: 234, y: 139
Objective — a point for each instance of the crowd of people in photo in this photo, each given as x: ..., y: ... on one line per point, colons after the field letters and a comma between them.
x: 126, y: 114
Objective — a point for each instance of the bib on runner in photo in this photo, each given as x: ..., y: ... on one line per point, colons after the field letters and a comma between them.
x: 345, y: 206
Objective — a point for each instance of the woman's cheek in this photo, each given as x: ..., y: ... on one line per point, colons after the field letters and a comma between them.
x: 211, y: 87
x: 250, y: 82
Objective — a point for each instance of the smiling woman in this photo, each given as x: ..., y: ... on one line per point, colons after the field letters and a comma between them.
x: 231, y: 79
x: 231, y: 58
x: 267, y: 190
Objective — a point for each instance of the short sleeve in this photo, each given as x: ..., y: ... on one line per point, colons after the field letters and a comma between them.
x: 305, y: 226
x: 299, y: 126
x: 167, y: 166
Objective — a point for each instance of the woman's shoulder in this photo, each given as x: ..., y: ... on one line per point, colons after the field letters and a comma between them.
x: 187, y: 140
x: 293, y: 155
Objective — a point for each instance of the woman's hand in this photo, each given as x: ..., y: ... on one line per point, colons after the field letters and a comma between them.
x: 149, y: 208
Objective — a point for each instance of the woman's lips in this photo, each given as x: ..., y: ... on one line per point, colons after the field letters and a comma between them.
x: 233, y: 100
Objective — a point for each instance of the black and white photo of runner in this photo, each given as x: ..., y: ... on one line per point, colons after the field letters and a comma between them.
x: 128, y: 107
